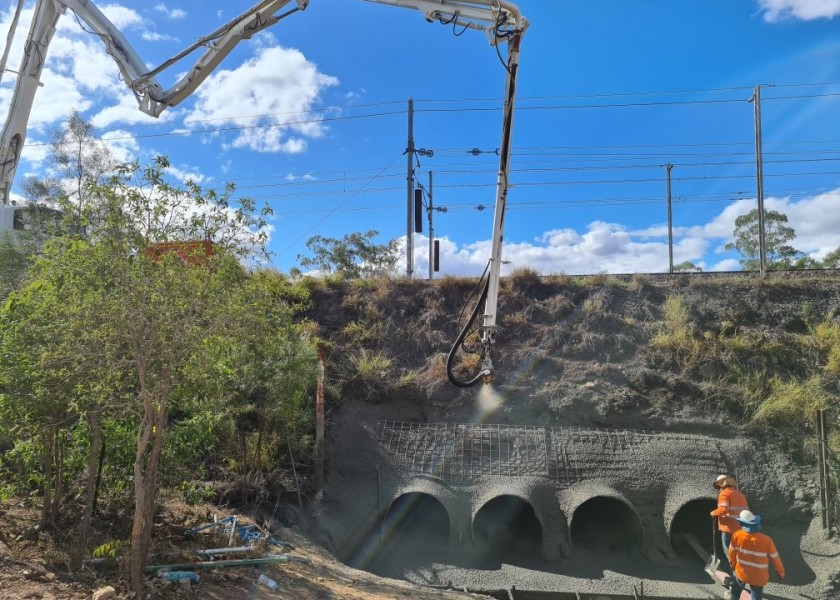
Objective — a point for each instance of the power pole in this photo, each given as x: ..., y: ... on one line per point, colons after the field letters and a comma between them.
x: 759, y: 179
x: 409, y: 231
x: 668, y: 168
x: 431, y: 232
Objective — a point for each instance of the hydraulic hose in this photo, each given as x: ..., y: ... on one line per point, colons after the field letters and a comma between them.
x: 450, y: 359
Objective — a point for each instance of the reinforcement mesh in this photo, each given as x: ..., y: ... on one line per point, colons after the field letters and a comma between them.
x: 461, y: 453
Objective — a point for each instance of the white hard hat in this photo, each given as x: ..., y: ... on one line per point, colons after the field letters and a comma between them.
x: 747, y: 518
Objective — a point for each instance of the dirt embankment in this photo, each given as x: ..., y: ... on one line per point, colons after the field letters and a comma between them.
x: 670, y: 352
x: 33, y: 566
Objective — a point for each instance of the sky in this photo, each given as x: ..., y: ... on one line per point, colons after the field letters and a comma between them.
x: 310, y: 117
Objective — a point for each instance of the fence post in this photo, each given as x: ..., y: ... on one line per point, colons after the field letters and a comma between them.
x: 825, y: 475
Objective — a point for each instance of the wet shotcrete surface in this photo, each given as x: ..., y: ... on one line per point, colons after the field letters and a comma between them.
x: 593, y: 454
x: 491, y: 508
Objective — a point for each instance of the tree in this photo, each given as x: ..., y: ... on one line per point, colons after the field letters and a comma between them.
x: 170, y: 285
x: 133, y: 308
x: 687, y: 267
x: 14, y: 260
x: 353, y: 256
x: 53, y: 373
x: 265, y: 374
x: 778, y: 254
x: 806, y: 262
x: 20, y: 246
x: 76, y: 158
x: 832, y: 260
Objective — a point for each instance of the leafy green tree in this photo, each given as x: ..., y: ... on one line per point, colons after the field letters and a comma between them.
x: 14, y: 260
x: 687, y: 267
x: 19, y: 247
x: 136, y: 303
x: 354, y: 256
x: 778, y: 253
x: 171, y: 285
x: 266, y: 374
x: 806, y: 262
x: 76, y: 160
x: 46, y: 374
x: 832, y: 260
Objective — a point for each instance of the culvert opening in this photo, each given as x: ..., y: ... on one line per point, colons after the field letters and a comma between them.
x: 510, y: 525
x: 692, y: 519
x: 603, y: 524
x: 417, y: 517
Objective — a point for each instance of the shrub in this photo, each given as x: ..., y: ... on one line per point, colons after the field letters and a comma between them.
x: 524, y: 278
x: 371, y: 365
x: 792, y: 402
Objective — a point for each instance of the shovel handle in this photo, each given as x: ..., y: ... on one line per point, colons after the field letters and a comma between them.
x: 714, y: 538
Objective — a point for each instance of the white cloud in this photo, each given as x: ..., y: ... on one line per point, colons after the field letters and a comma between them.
x: 305, y: 177
x: 55, y: 101
x: 185, y: 174
x: 280, y: 86
x: 174, y: 14
x: 153, y: 36
x: 612, y: 248
x: 126, y: 111
x: 729, y: 264
x: 122, y: 145
x: 121, y: 16
x: 805, y: 10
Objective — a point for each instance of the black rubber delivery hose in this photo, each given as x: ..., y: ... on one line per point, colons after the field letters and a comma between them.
x: 451, y: 357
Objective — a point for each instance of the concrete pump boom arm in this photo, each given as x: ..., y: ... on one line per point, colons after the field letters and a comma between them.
x: 494, y: 17
x: 152, y: 98
x: 502, y: 21
x: 499, y: 19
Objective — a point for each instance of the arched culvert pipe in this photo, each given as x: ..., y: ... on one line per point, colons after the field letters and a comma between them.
x: 417, y: 517
x: 693, y: 519
x: 509, y: 525
x: 607, y: 525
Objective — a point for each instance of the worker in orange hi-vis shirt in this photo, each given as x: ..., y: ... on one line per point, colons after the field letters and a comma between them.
x: 750, y: 555
x: 730, y: 504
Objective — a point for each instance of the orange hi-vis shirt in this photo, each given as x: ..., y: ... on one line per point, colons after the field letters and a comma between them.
x: 750, y: 555
x: 730, y: 504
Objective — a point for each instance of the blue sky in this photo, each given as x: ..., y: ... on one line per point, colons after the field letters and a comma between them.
x: 310, y: 116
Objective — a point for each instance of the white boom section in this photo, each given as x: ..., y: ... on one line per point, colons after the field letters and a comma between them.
x: 152, y: 98
x: 495, y: 17
x: 499, y: 19
x: 502, y: 21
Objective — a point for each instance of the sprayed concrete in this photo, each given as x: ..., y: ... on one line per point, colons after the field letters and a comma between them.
x: 544, y: 509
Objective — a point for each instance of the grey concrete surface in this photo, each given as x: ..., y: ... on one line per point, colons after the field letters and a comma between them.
x: 600, y: 508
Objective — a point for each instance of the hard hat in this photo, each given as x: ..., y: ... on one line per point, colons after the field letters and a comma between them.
x: 723, y: 480
x: 747, y: 518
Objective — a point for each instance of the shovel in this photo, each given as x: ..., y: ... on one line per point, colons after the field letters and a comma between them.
x: 713, y: 562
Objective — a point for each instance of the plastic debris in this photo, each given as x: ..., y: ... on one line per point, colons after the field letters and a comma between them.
x: 268, y: 582
x: 179, y: 576
x: 250, y: 534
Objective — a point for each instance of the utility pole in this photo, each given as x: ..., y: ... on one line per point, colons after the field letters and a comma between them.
x: 409, y: 231
x: 759, y: 179
x: 668, y: 168
x: 431, y: 232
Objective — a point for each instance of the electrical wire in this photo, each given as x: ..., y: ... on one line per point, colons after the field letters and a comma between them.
x: 350, y: 197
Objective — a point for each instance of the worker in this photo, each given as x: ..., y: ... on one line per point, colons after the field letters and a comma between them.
x: 730, y: 504
x: 750, y: 554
